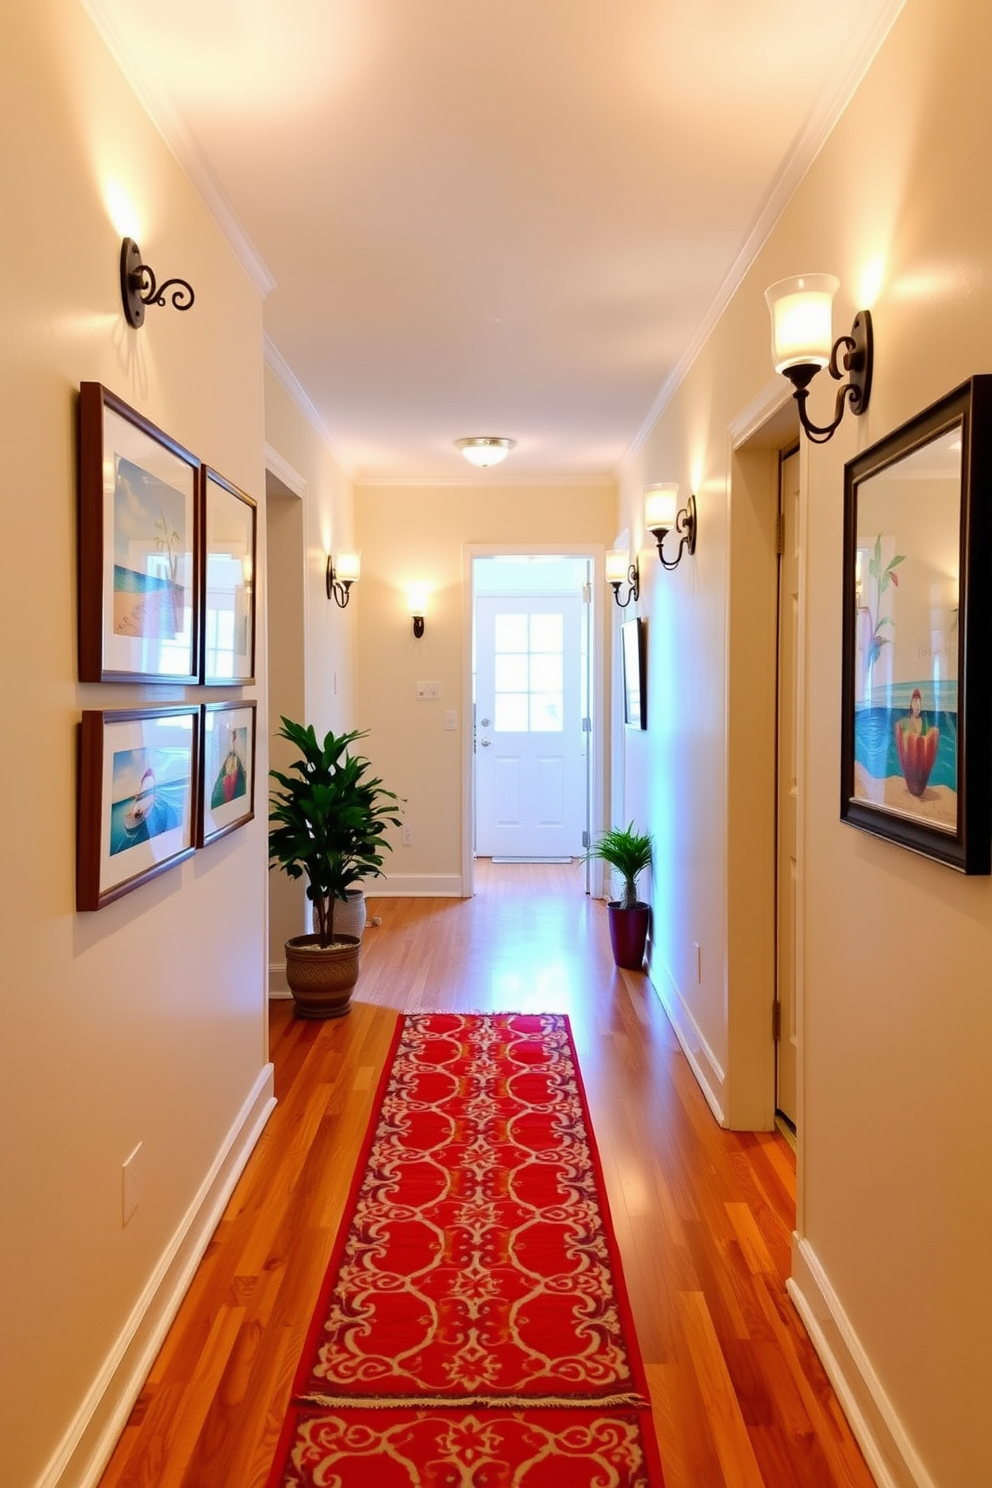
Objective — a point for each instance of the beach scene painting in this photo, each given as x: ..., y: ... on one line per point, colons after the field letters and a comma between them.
x: 137, y: 795
x: 152, y: 558
x: 228, y: 768
x: 139, y: 606
x: 150, y: 795
x: 905, y: 636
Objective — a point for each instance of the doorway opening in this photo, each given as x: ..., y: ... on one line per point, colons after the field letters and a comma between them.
x: 533, y: 691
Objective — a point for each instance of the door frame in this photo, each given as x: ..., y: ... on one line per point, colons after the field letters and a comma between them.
x: 595, y: 553
x: 757, y: 436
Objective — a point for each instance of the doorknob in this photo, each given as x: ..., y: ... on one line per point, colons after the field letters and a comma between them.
x: 485, y: 743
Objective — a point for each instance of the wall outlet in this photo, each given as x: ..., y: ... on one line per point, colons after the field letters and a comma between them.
x: 450, y: 720
x: 407, y: 835
x: 130, y: 1185
x: 699, y: 963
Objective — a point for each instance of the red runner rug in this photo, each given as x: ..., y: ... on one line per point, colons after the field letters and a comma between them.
x: 473, y: 1329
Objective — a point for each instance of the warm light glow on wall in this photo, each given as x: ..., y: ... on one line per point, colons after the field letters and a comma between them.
x: 121, y: 210
x: 870, y: 281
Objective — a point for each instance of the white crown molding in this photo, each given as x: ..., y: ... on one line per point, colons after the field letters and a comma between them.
x: 832, y: 100
x: 283, y: 372
x: 170, y: 125
x: 606, y: 481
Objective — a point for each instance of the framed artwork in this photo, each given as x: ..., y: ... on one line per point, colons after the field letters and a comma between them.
x: 138, y: 551
x: 916, y: 698
x: 229, y: 526
x: 137, y: 796
x: 227, y: 777
x: 635, y: 686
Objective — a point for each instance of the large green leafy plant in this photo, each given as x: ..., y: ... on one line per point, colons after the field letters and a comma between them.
x: 628, y: 853
x: 328, y: 821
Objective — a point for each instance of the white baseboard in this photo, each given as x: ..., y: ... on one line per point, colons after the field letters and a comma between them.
x: 85, y: 1450
x: 889, y: 1453
x: 278, y: 986
x: 703, y: 1062
x: 418, y: 886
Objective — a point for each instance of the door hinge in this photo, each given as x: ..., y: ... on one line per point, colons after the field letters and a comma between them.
x: 780, y: 534
x: 776, y: 1021
x: 586, y: 840
x: 587, y: 725
x: 587, y: 594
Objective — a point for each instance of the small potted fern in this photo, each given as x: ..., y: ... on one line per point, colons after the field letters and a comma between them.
x: 328, y: 825
x: 628, y: 853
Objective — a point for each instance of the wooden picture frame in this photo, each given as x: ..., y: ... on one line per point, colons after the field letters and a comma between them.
x: 635, y: 674
x: 916, y: 706
x: 227, y: 769
x: 138, y: 772
x: 138, y: 547
x: 229, y: 527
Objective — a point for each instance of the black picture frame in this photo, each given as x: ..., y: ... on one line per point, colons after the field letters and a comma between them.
x: 917, y: 604
x: 138, y: 547
x: 633, y: 653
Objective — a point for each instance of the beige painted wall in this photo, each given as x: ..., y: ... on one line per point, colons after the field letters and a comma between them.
x: 895, y: 1218
x: 312, y: 640
x: 144, y: 1022
x: 414, y: 535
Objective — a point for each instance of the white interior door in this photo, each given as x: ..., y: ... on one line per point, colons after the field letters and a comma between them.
x: 530, y: 742
x: 788, y: 650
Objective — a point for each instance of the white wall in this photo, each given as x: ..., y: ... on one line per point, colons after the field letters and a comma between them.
x: 144, y: 1022
x: 895, y: 1216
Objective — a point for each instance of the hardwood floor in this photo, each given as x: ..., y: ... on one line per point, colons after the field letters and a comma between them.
x: 703, y: 1216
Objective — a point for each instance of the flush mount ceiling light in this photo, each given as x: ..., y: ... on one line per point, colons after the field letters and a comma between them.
x: 802, y: 345
x: 484, y: 449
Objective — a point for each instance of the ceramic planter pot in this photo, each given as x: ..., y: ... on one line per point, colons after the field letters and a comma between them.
x: 629, y: 933
x: 350, y: 914
x: 321, y: 977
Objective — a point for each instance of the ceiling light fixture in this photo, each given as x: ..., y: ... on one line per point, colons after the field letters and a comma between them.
x: 139, y: 287
x: 802, y: 345
x: 485, y: 449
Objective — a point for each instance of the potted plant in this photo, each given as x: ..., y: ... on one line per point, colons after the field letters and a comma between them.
x: 328, y: 824
x: 628, y: 853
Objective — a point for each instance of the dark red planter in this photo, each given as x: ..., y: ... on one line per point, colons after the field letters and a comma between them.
x: 629, y: 933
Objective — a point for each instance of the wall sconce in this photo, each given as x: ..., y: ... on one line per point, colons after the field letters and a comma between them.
x: 417, y: 602
x: 139, y: 288
x: 802, y: 331
x: 661, y: 514
x: 342, y: 575
x: 619, y: 571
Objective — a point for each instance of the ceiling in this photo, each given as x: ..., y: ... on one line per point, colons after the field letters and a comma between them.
x: 502, y: 217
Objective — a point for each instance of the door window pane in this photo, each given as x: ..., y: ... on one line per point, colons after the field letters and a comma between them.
x: 529, y: 674
x: 510, y: 714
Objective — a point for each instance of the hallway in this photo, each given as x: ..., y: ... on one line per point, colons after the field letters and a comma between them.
x: 703, y: 1217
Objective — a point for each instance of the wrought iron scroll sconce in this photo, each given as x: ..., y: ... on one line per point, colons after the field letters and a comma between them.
x: 800, y: 310
x: 339, y: 580
x: 662, y: 514
x: 618, y: 571
x: 139, y: 286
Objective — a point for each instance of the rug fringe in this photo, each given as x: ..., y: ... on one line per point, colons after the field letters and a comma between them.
x: 624, y: 1401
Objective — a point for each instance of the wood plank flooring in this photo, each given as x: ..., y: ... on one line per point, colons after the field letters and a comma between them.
x: 703, y: 1217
